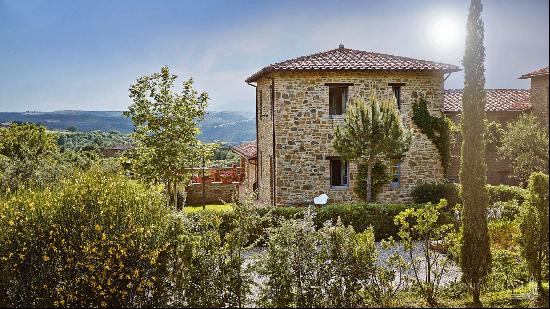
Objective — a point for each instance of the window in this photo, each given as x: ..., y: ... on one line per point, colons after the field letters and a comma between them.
x: 338, y: 98
x: 338, y: 173
x: 397, y: 93
x: 395, y: 172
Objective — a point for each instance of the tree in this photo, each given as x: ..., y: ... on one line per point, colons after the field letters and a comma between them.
x: 25, y: 150
x: 371, y: 130
x: 423, y: 224
x: 525, y: 144
x: 533, y: 227
x: 475, y: 254
x: 165, y: 128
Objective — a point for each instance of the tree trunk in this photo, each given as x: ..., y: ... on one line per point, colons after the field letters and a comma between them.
x: 176, y: 194
x: 475, y: 294
x: 369, y: 181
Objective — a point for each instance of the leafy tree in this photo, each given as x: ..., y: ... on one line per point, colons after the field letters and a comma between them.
x: 525, y: 144
x: 533, y: 237
x: 165, y: 127
x: 25, y: 150
x: 475, y: 255
x: 422, y: 224
x: 371, y: 130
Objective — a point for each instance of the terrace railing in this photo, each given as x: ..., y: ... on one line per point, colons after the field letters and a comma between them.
x: 218, y: 174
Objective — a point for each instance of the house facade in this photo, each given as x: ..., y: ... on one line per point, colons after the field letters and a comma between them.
x: 299, y: 103
x: 539, y: 93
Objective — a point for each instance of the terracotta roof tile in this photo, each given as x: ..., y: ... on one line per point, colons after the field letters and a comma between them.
x: 354, y: 60
x: 496, y: 100
x: 539, y: 72
x: 247, y: 150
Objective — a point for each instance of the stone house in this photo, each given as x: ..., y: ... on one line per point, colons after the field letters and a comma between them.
x: 248, y: 153
x: 299, y: 102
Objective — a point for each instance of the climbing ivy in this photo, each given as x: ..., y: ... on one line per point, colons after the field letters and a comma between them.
x: 436, y: 128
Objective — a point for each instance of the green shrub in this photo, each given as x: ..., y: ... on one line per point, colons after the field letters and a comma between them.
x: 380, y: 177
x: 305, y: 267
x: 96, y: 240
x: 508, y: 271
x: 508, y: 210
x: 432, y: 192
x: 102, y: 240
x: 502, y: 233
x: 504, y: 193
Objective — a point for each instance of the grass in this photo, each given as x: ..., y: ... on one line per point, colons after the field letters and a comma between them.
x: 210, y: 207
x: 523, y: 297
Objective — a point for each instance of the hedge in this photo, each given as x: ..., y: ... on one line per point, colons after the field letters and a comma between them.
x: 360, y: 216
x: 433, y: 192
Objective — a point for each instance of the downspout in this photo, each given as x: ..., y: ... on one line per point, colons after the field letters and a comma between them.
x: 257, y: 179
x: 273, y: 143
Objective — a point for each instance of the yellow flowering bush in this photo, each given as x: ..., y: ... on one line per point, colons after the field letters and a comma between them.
x: 100, y: 239
x: 94, y: 240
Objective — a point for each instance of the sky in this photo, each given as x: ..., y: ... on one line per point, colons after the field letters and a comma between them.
x: 84, y: 55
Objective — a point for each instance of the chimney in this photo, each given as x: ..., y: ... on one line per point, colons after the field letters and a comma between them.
x: 341, y: 46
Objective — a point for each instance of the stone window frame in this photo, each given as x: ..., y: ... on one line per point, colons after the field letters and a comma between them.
x: 346, y: 92
x: 346, y: 176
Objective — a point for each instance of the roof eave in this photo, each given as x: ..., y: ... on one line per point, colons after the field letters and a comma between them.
x: 256, y: 76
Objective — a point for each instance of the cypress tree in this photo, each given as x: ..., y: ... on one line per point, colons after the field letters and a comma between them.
x: 475, y: 255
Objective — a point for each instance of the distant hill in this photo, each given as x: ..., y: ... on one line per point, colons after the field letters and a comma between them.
x: 226, y: 126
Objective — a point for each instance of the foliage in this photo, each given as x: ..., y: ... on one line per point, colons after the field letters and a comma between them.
x: 101, y: 240
x: 525, y: 144
x: 165, y: 128
x: 380, y: 177
x: 475, y: 257
x: 371, y: 131
x: 533, y: 226
x: 423, y: 224
x: 91, y: 141
x: 309, y: 268
x: 508, y: 271
x: 224, y: 157
x: 433, y: 192
x: 502, y: 234
x: 493, y: 135
x: 388, y: 278
x: 27, y: 152
x: 436, y: 128
x: 508, y: 211
x: 504, y: 193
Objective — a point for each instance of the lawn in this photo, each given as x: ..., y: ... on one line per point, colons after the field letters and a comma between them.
x: 210, y: 207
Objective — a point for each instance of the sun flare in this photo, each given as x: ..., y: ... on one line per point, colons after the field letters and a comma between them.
x: 446, y: 32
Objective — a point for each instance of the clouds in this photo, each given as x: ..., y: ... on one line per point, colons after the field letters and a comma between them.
x: 91, y: 64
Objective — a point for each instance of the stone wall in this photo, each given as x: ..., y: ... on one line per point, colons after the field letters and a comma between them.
x: 215, y: 192
x: 246, y: 188
x: 539, y: 98
x: 305, y: 131
x: 265, y: 140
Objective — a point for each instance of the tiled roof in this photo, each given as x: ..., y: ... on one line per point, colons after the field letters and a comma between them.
x: 539, y: 72
x: 247, y: 150
x: 497, y: 100
x: 352, y: 60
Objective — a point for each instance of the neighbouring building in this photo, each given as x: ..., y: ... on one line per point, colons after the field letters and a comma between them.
x: 115, y: 150
x: 248, y: 164
x: 502, y: 106
x: 539, y: 93
x: 299, y: 102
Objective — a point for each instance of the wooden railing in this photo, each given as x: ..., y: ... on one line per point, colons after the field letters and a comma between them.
x: 218, y: 174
